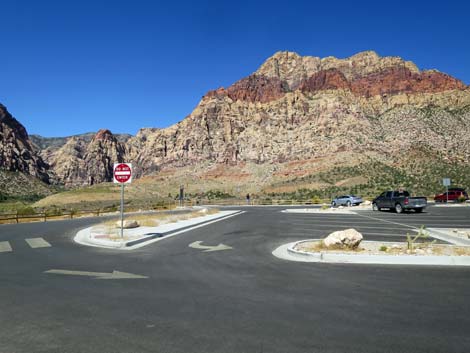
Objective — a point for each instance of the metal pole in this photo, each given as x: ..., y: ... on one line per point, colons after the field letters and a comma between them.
x: 447, y: 193
x: 122, y: 211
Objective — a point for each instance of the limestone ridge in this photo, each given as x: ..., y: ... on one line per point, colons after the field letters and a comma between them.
x: 16, y: 150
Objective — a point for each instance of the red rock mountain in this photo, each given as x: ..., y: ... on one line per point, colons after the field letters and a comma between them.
x: 294, y: 109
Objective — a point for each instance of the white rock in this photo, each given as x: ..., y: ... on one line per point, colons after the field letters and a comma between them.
x: 429, y: 251
x: 349, y: 238
x: 367, y: 203
x: 420, y: 251
x: 396, y: 246
x: 128, y: 223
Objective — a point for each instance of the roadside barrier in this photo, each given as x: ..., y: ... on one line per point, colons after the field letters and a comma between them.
x: 18, y: 217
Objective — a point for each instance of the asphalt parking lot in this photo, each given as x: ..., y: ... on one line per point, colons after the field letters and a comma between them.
x: 378, y: 225
x: 238, y: 300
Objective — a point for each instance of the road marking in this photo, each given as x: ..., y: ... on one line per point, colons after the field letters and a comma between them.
x: 5, y: 246
x: 97, y: 275
x: 386, y: 221
x: 184, y: 231
x: 37, y: 243
x: 208, y: 248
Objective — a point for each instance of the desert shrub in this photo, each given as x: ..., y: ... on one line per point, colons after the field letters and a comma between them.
x: 316, y: 200
x: 26, y: 211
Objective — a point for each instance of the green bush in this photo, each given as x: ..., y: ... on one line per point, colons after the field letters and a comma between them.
x: 316, y: 200
x: 23, y: 211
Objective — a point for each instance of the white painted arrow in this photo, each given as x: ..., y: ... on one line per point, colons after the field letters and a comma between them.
x: 197, y: 245
x: 97, y: 275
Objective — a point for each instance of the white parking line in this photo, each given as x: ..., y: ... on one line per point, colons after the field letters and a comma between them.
x: 5, y: 246
x: 390, y: 234
x: 314, y: 226
x: 37, y: 243
x: 387, y: 221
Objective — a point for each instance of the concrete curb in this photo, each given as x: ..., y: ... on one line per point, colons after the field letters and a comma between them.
x: 442, y: 234
x: 83, y: 236
x: 287, y: 252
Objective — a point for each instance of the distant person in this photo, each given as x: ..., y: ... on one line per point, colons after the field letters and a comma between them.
x: 247, y: 199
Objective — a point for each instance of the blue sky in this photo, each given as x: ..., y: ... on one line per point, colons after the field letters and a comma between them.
x: 69, y: 67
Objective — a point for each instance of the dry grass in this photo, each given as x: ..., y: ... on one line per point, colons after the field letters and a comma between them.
x: 154, y: 220
x: 318, y: 246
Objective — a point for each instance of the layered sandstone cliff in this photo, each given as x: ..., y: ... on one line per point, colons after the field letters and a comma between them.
x: 292, y: 108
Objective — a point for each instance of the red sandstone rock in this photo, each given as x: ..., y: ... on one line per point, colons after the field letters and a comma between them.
x: 256, y: 88
x: 323, y: 80
x: 104, y: 134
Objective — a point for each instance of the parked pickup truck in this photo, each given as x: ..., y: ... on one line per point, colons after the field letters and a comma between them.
x: 399, y: 201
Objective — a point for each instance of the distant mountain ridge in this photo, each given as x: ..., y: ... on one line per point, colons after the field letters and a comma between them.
x: 293, y: 109
x: 42, y: 143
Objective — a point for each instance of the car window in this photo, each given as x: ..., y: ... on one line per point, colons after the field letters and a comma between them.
x: 388, y: 194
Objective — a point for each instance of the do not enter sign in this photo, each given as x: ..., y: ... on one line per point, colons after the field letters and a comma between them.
x: 122, y: 173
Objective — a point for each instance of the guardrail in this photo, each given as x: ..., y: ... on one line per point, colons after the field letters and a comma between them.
x: 49, y: 216
x: 260, y: 202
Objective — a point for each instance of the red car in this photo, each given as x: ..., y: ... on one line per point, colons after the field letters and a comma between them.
x: 452, y: 195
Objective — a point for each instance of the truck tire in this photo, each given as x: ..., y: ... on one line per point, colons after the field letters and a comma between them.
x: 348, y: 204
x: 398, y: 208
x: 333, y: 204
x: 418, y: 210
x: 375, y: 207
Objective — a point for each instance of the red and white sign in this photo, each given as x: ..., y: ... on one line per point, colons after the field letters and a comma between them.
x: 122, y: 173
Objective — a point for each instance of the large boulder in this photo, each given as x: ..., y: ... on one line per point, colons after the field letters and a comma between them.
x: 128, y: 223
x: 349, y: 238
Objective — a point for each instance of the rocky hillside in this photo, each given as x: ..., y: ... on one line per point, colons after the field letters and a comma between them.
x: 295, y: 117
x: 16, y: 150
x: 301, y: 108
x: 79, y: 162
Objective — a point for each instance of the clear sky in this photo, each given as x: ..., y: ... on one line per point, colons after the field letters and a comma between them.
x: 69, y: 67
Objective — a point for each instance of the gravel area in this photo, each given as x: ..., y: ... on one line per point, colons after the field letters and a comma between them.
x: 388, y: 248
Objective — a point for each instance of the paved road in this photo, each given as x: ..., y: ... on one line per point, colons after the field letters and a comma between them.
x: 240, y: 300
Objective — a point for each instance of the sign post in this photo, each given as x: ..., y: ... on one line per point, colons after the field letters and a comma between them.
x: 446, y: 183
x: 122, y: 174
x: 181, y: 195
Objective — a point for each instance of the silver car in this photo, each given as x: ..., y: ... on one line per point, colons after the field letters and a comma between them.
x: 346, y: 200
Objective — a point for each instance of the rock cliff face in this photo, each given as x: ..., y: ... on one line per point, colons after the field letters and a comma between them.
x: 292, y: 109
x: 79, y: 162
x: 299, y: 108
x: 16, y: 151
